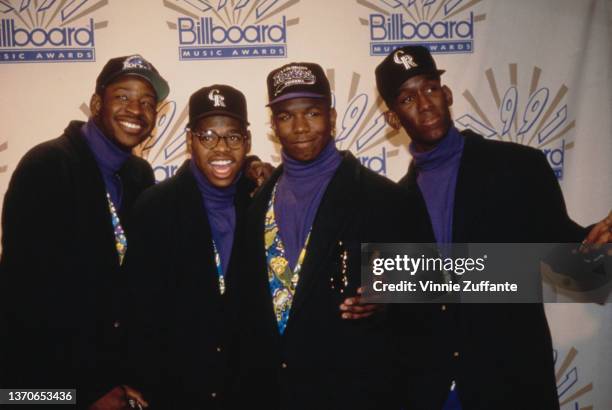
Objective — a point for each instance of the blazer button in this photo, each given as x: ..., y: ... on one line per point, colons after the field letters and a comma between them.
x: 219, y: 349
x: 116, y: 324
x: 284, y: 365
x: 443, y: 308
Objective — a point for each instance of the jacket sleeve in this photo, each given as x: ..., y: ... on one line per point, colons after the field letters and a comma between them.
x: 146, y: 301
x: 32, y: 218
x: 550, y: 212
x: 31, y: 261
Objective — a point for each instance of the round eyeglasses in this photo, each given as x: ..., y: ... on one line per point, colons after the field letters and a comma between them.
x: 210, y: 139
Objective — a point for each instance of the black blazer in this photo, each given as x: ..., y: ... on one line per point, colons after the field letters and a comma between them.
x: 500, y: 355
x: 322, y: 361
x: 179, y: 324
x: 60, y: 270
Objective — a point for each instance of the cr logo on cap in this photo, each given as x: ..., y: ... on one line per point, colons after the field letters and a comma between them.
x: 216, y: 97
x: 402, y: 58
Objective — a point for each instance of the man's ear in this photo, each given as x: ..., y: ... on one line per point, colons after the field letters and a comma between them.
x: 248, y: 142
x: 392, y: 119
x: 189, y: 137
x: 448, y: 94
x: 332, y: 119
x: 95, y: 105
x: 272, y: 123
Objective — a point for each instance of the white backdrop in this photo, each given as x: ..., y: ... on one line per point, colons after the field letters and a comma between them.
x: 531, y: 71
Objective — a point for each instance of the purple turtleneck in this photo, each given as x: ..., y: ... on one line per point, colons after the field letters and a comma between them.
x: 109, y: 157
x: 437, y: 172
x: 221, y: 212
x: 298, y: 196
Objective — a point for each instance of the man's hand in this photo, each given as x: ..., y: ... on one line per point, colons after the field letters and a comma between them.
x: 120, y: 398
x: 599, y: 235
x: 134, y: 398
x: 257, y: 170
x: 352, y: 308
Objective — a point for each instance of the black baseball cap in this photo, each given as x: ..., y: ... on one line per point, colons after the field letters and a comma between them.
x: 133, y: 65
x: 217, y: 99
x: 401, y: 65
x: 297, y: 80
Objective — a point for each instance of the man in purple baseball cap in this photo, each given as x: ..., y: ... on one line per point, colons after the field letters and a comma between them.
x: 304, y: 232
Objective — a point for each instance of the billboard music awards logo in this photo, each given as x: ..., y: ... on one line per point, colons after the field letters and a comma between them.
x: 533, y: 115
x: 444, y: 26
x: 569, y: 388
x: 36, y: 31
x: 222, y: 29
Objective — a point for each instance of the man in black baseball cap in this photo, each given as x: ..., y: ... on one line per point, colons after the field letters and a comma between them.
x: 475, y: 190
x: 304, y: 232
x: 401, y: 65
x: 186, y: 251
x: 220, y: 100
x: 414, y: 66
x: 134, y: 65
x: 64, y: 238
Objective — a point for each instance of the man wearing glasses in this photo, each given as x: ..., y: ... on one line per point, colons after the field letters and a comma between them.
x: 184, y: 255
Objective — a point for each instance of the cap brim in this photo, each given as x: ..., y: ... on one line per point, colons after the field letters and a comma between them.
x: 417, y: 72
x: 218, y: 112
x: 396, y: 91
x: 160, y: 86
x: 297, y: 94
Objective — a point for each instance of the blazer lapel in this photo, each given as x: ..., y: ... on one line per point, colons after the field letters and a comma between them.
x: 259, y: 285
x: 409, y: 182
x: 193, y: 231
x: 241, y: 202
x: 472, y: 182
x: 334, y: 215
x: 92, y: 197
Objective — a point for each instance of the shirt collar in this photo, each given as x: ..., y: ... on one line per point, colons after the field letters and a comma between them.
x: 450, y: 146
x: 110, y: 158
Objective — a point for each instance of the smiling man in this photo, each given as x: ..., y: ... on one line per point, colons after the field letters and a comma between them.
x: 473, y: 356
x: 304, y: 233
x: 63, y: 241
x: 185, y: 254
